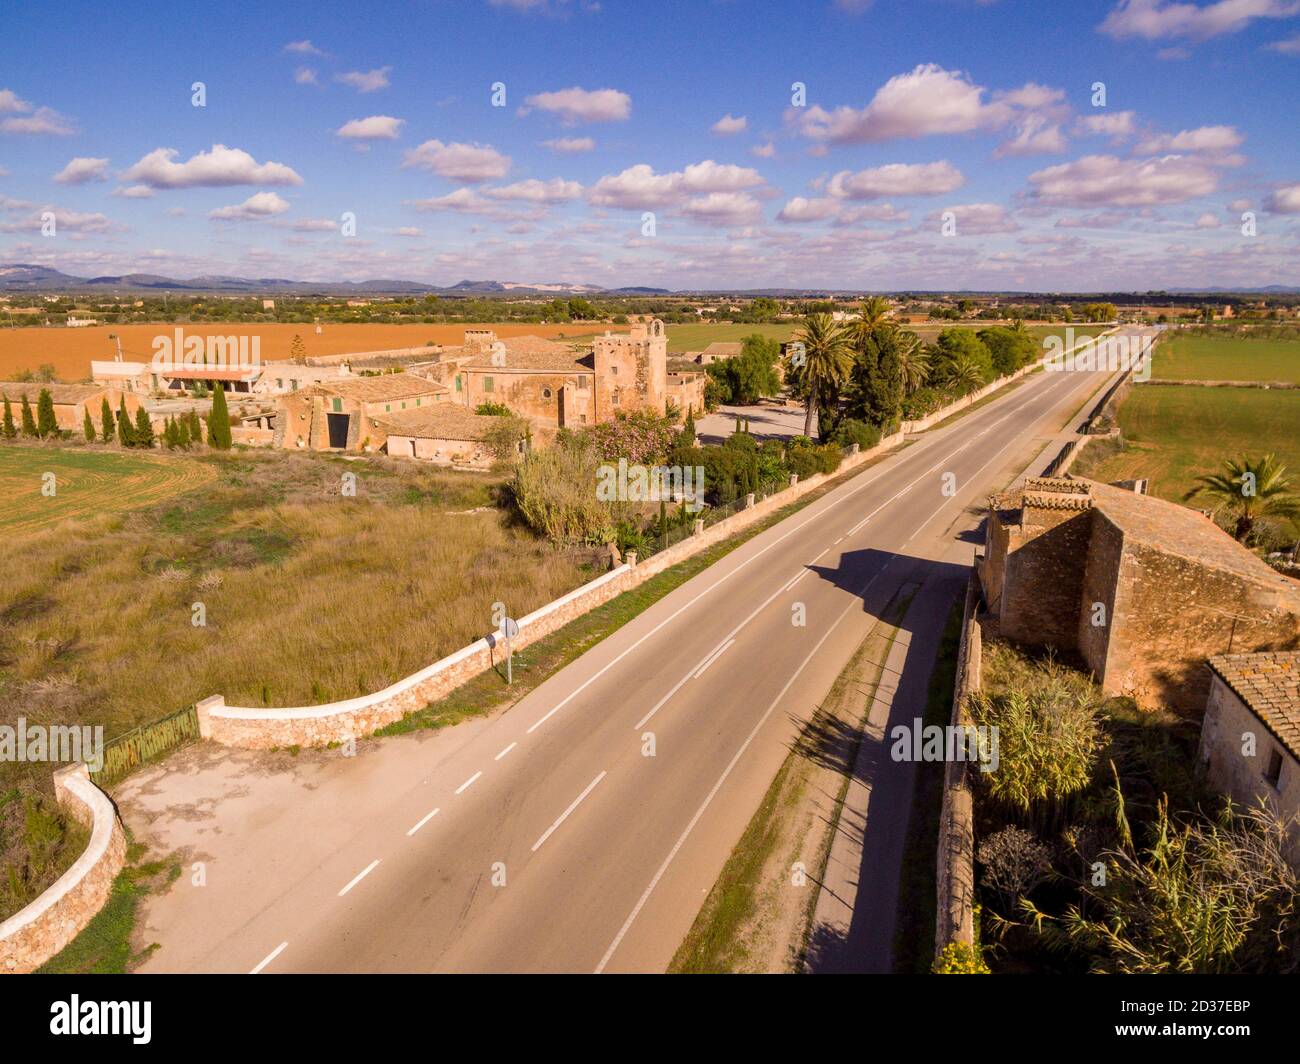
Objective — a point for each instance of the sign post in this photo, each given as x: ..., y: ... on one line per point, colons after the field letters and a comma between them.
x: 510, y: 629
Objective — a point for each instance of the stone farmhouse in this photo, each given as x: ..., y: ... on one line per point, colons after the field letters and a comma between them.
x: 71, y: 401
x: 1250, y: 738
x: 267, y: 379
x: 556, y: 387
x: 1142, y: 589
x: 445, y: 434
x: 342, y: 415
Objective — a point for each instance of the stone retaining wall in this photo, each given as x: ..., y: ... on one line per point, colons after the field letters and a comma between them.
x: 955, y: 868
x: 36, y: 933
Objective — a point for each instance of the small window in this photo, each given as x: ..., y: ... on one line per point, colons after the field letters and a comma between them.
x: 294, y: 385
x: 388, y: 407
x: 338, y: 406
x: 417, y: 401
x: 1273, y: 775
x: 458, y: 382
x: 546, y: 393
x: 403, y: 406
x: 616, y: 398
x: 279, y: 383
x: 613, y: 370
x: 487, y: 384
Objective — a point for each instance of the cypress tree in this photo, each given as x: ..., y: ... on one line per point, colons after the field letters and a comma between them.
x: 143, y: 429
x: 46, y: 423
x: 29, y: 422
x: 183, y: 433
x: 7, y: 428
x: 219, y: 421
x: 125, y: 433
x: 196, y: 428
x: 106, y: 421
x: 87, y: 426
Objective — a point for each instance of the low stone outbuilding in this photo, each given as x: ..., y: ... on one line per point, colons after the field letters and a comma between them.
x: 446, y: 434
x: 1143, y: 589
x: 71, y: 401
x: 1250, y: 738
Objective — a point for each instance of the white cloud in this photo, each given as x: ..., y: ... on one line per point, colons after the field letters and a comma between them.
x: 1211, y: 139
x: 303, y: 47
x: 763, y: 151
x: 977, y: 219
x: 1284, y: 200
x: 217, y: 168
x: 928, y: 100
x: 462, y: 201
x: 728, y: 125
x: 459, y: 162
x: 1239, y: 205
x: 556, y: 190
x: 1035, y: 135
x: 42, y: 121
x: 365, y: 80
x: 13, y: 104
x: 1287, y: 46
x: 312, y: 225
x: 70, y: 221
x: 305, y: 76
x: 897, y: 179
x: 639, y: 187
x: 376, y: 127
x: 81, y: 170
x: 408, y: 231
x: 576, y: 105
x: 133, y: 192
x: 570, y: 145
x: 724, y: 208
x: 1154, y: 19
x: 1208, y: 221
x: 257, y: 206
x: 800, y: 209
x: 1104, y: 180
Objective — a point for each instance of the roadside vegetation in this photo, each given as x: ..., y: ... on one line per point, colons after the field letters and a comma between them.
x: 1098, y: 851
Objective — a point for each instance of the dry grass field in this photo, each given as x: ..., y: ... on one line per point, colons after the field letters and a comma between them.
x: 310, y: 596
x: 70, y: 351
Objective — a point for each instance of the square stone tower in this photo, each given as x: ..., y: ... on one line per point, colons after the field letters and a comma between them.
x: 631, y: 370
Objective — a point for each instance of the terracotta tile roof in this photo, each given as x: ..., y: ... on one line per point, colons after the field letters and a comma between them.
x: 447, y: 421
x: 535, y: 353
x: 380, y: 389
x: 1269, y: 683
x: 62, y: 394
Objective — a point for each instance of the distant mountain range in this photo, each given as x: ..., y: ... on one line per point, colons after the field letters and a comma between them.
x: 24, y: 277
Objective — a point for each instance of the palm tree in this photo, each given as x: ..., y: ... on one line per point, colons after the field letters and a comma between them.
x: 826, y: 360
x: 1250, y: 489
x: 961, y: 372
x: 874, y: 311
x: 913, y: 360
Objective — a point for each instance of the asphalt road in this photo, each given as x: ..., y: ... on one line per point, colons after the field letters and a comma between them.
x: 580, y: 830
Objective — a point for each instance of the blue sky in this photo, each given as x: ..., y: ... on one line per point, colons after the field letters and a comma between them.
x: 939, y: 144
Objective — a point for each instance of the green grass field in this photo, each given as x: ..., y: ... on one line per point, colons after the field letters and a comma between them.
x: 1176, y: 433
x: 1213, y: 358
x: 85, y: 483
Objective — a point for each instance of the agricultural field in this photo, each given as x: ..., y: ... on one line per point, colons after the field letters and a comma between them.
x: 308, y: 595
x: 85, y: 483
x: 698, y: 337
x: 1227, y: 358
x: 70, y: 351
x: 1176, y: 433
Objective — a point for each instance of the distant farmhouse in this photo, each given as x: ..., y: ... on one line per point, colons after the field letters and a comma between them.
x: 551, y: 385
x: 266, y: 378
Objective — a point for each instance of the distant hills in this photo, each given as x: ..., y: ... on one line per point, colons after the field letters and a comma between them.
x: 25, y: 277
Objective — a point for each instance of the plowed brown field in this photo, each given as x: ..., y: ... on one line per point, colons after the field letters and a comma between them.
x: 70, y: 351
